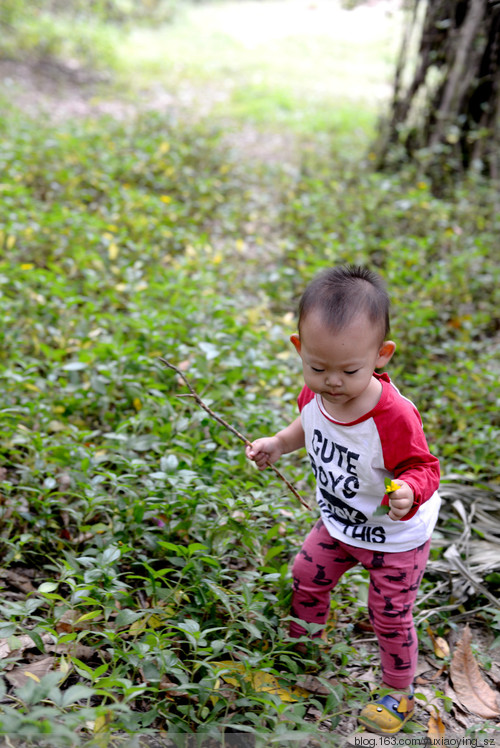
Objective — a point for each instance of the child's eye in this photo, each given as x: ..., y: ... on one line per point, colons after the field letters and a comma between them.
x: 316, y: 370
x: 351, y: 372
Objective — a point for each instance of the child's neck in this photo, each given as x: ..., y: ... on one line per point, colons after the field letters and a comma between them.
x: 357, y: 408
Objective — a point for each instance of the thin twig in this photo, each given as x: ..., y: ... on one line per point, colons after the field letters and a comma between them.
x: 230, y: 428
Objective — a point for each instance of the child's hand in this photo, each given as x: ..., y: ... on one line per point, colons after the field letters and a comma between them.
x: 400, y: 501
x: 264, y: 452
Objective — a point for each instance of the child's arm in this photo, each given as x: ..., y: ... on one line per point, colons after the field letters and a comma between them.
x: 407, y: 457
x: 267, y: 450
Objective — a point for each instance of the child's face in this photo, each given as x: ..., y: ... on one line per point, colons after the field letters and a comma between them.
x: 339, y: 365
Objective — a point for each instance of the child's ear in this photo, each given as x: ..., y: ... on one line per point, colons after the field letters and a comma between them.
x: 296, y: 341
x: 385, y: 353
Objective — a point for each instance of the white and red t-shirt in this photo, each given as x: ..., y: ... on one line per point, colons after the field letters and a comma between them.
x: 351, y: 460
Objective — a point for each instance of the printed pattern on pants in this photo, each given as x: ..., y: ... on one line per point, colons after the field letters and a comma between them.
x: 394, y: 582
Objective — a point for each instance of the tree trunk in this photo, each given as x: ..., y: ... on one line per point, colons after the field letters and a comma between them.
x: 446, y: 102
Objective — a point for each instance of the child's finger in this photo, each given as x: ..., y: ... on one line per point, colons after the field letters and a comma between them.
x: 398, y: 493
x: 260, y: 458
x: 399, y: 508
x: 395, y: 515
x: 256, y: 455
x: 261, y: 462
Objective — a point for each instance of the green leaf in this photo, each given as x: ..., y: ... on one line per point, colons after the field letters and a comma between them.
x: 74, y: 366
x: 76, y: 693
x: 189, y: 626
x: 14, y: 643
x: 82, y: 668
x: 179, y: 550
x: 37, y: 640
x: 110, y: 555
x: 126, y: 616
x: 193, y: 547
x: 275, y: 550
x: 220, y: 594
x: 89, y: 616
x: 48, y: 587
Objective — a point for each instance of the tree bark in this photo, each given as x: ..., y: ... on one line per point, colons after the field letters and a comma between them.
x: 460, y: 76
x: 446, y: 116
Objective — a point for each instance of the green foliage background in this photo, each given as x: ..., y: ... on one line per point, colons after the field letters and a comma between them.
x: 144, y: 524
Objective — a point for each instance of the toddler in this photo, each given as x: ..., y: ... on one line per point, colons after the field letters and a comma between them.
x: 358, y: 431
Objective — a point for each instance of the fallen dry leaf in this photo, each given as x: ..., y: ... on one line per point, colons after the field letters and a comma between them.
x: 83, y: 537
x: 440, y: 645
x: 494, y: 674
x: 171, y: 690
x: 472, y: 690
x: 36, y: 670
x: 20, y: 581
x: 72, y: 649
x: 73, y: 620
x: 17, y: 644
x: 421, y: 681
x: 435, y: 728
x: 101, y: 723
x: 458, y: 709
x: 259, y: 680
x: 315, y: 685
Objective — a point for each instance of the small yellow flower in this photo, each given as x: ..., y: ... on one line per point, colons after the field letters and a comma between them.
x: 391, y: 486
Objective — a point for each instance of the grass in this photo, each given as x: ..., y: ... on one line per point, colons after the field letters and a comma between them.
x: 149, y: 551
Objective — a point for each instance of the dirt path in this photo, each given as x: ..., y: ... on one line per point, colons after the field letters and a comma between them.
x: 62, y: 90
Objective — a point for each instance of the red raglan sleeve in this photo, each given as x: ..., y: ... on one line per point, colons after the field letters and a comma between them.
x: 305, y: 396
x: 405, y: 450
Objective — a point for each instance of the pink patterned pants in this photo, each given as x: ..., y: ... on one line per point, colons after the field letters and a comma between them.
x: 394, y: 581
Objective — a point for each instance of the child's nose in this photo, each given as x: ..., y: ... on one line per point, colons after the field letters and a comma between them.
x: 333, y: 380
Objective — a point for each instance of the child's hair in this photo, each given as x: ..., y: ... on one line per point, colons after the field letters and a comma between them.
x: 340, y: 293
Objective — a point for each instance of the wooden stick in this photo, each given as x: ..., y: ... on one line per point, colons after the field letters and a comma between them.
x: 230, y: 428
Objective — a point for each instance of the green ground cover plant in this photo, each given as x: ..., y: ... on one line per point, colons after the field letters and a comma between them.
x: 140, y: 551
x: 150, y: 538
